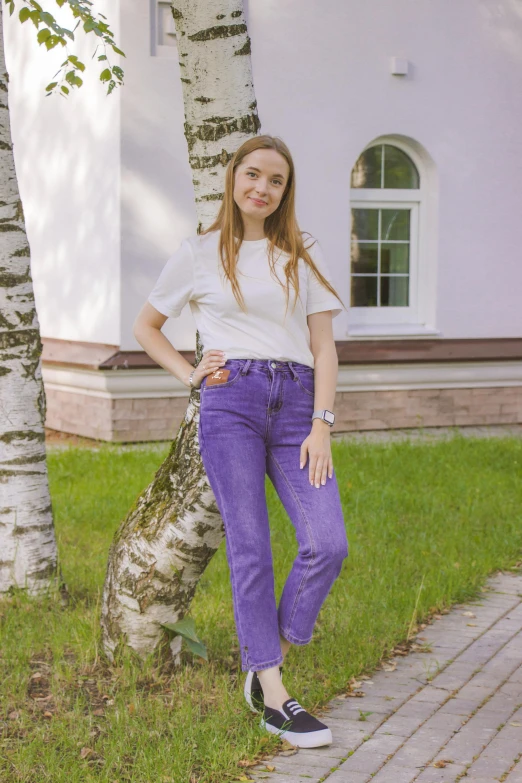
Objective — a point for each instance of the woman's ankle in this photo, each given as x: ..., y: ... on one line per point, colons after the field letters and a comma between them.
x: 274, y: 692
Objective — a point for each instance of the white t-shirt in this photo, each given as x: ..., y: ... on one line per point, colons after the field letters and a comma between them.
x: 194, y: 275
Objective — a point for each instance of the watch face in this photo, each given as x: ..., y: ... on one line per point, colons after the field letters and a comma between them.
x: 329, y: 417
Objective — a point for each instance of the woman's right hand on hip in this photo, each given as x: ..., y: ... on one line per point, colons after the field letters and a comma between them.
x: 210, y: 361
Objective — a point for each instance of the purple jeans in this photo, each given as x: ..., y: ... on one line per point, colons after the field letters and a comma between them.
x: 254, y: 424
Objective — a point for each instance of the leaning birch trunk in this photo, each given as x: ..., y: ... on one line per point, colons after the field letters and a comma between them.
x: 170, y: 535
x: 28, y: 554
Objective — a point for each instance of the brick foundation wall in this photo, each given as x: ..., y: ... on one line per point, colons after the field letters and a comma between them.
x: 133, y: 420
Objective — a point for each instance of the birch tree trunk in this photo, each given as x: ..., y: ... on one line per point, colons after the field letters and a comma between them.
x: 164, y: 545
x: 28, y: 554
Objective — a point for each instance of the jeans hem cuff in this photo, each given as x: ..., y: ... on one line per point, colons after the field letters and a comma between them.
x: 293, y: 639
x: 258, y: 667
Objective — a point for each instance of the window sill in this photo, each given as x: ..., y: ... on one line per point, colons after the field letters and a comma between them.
x: 391, y: 331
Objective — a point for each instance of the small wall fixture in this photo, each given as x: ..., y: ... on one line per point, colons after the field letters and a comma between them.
x: 399, y: 66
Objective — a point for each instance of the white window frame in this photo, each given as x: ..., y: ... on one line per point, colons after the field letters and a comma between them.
x: 157, y: 49
x: 418, y: 319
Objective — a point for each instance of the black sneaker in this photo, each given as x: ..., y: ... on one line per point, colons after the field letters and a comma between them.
x: 296, y: 725
x: 254, y: 692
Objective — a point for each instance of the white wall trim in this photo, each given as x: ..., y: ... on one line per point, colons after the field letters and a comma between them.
x: 146, y: 384
x: 391, y: 331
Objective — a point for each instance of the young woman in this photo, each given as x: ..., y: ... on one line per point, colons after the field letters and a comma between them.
x: 267, y: 378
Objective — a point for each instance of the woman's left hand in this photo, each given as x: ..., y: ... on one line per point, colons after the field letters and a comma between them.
x: 318, y: 448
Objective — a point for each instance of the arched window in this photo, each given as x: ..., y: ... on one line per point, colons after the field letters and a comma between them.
x: 385, y: 265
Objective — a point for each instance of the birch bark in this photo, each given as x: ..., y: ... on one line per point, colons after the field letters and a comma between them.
x: 170, y: 535
x: 28, y: 553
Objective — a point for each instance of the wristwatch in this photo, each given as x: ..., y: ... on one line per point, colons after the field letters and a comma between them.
x: 325, y: 415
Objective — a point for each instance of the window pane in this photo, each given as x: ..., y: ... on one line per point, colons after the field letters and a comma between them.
x: 364, y: 257
x: 394, y: 291
x: 395, y: 224
x: 364, y: 292
x: 395, y: 258
x: 367, y: 171
x: 365, y: 224
x: 399, y: 169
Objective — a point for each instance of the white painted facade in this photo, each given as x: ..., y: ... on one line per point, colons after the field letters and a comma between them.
x: 107, y: 187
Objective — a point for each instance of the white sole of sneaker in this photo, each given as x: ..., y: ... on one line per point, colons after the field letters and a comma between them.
x: 247, y: 689
x: 312, y: 739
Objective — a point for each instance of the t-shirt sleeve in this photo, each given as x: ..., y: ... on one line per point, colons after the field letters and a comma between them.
x: 175, y: 285
x: 318, y: 297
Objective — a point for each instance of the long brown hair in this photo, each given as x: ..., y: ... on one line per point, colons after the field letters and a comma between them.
x: 281, y: 227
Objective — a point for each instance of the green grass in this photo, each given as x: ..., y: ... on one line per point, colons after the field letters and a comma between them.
x: 443, y: 515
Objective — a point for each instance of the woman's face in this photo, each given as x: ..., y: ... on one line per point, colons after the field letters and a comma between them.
x: 259, y: 184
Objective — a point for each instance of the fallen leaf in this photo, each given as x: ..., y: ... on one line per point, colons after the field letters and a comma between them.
x: 36, y: 676
x: 246, y: 763
x: 14, y: 715
x: 515, y: 723
x: 472, y: 625
x: 355, y: 694
x: 442, y: 763
x: 389, y: 666
x: 269, y: 767
x: 86, y: 752
x: 469, y: 614
x: 288, y: 752
x: 132, y: 709
x: 48, y: 714
x: 99, y: 712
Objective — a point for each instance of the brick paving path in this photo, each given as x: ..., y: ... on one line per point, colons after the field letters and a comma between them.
x: 460, y: 703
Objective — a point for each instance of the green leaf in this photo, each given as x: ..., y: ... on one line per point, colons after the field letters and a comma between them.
x: 102, y: 57
x: 184, y: 627
x: 187, y: 630
x: 198, y: 648
x: 64, y: 89
x: 11, y: 5
x: 118, y: 51
x: 47, y: 18
x: 24, y: 14
x: 51, y: 86
x: 105, y: 75
x: 43, y: 35
x: 35, y: 18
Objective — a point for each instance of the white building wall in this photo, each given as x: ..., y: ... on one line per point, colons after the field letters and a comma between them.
x: 322, y: 82
x: 157, y: 197
x: 67, y: 156
x: 325, y: 87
